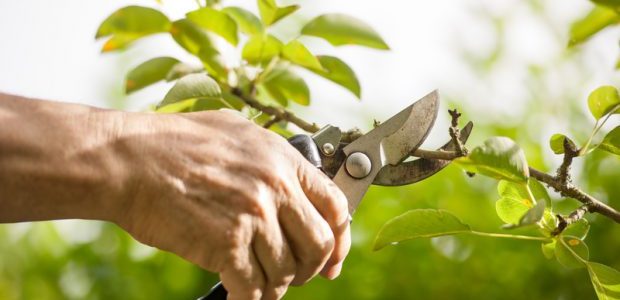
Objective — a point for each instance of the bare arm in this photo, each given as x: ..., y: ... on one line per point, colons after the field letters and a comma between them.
x: 211, y: 187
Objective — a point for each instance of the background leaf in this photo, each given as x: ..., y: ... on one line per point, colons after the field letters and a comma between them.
x: 149, y: 72
x: 571, y: 252
x: 246, y: 20
x: 596, y: 20
x: 298, y: 54
x: 193, y: 86
x: 339, y: 29
x: 602, y: 100
x: 419, y: 223
x: 217, y: 22
x: 611, y: 142
x: 606, y: 281
x: 190, y: 36
x: 500, y: 158
x: 271, y: 13
x: 283, y: 85
x: 261, y: 49
x: 578, y: 229
x: 129, y: 24
x: 339, y: 72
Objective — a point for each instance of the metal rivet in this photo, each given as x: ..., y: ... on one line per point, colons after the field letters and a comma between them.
x: 358, y: 165
x: 328, y: 149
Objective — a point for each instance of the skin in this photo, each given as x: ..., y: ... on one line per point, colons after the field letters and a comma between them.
x: 211, y: 187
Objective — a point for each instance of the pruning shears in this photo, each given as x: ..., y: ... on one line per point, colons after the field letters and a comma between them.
x: 377, y: 157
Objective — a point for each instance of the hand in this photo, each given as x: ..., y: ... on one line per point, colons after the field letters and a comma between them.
x: 233, y: 198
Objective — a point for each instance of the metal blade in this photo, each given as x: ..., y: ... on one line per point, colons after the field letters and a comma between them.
x: 419, y: 169
x: 389, y: 143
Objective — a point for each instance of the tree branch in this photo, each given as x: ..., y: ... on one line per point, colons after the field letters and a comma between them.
x: 455, y: 133
x: 278, y: 112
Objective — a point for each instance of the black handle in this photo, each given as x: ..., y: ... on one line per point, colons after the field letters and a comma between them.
x: 306, y: 146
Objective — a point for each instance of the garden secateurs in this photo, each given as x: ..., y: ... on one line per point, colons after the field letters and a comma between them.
x: 377, y: 157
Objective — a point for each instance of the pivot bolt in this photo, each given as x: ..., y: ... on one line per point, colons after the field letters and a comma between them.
x: 328, y: 149
x: 358, y: 165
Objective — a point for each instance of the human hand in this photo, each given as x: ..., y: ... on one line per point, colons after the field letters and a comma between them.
x: 233, y: 198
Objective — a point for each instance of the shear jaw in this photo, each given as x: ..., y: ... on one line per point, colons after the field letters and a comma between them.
x: 389, y: 143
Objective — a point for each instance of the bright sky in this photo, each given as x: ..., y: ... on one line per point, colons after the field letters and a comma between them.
x: 48, y: 51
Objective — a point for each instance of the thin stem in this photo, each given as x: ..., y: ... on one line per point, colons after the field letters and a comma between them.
x: 584, y: 149
x: 511, y: 236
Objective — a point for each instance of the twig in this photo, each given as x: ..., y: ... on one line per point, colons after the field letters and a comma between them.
x: 455, y: 133
x: 278, y: 112
x: 271, y: 122
x: 573, y: 217
x: 570, y: 152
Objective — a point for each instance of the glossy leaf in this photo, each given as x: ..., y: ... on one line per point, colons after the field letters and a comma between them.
x: 283, y: 85
x: 213, y: 63
x: 606, y: 281
x: 611, y: 142
x: 339, y: 72
x: 571, y: 252
x: 603, y: 100
x: 217, y: 22
x: 339, y: 29
x: 500, y: 158
x: 271, y: 13
x: 297, y: 53
x: 149, y: 72
x: 193, y: 86
x: 596, y: 20
x: 578, y: 229
x: 246, y: 20
x: 419, y: 223
x: 261, y: 49
x: 548, y: 249
x: 129, y: 24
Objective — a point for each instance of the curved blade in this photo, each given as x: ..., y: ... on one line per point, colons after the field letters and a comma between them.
x: 389, y: 143
x: 419, y: 169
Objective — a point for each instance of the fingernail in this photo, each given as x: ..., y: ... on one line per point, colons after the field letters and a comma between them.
x: 334, y: 271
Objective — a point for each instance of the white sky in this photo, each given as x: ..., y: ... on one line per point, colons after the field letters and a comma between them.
x: 47, y: 50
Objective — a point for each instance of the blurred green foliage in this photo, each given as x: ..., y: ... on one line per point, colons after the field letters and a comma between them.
x: 93, y: 260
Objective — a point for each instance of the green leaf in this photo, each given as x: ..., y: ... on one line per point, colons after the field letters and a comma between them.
x: 419, y: 223
x: 556, y: 143
x: 297, y: 53
x: 606, y: 281
x: 500, y: 158
x: 548, y: 249
x: 578, y: 229
x: 247, y: 21
x: 571, y: 252
x: 596, y: 20
x: 216, y: 21
x: 190, y: 36
x: 193, y: 86
x: 129, y: 24
x: 213, y: 63
x: 510, y: 210
x: 271, y: 13
x: 261, y: 49
x: 181, y: 69
x: 339, y: 29
x: 149, y: 72
x: 283, y: 85
x: 603, y: 100
x: 532, y: 216
x: 611, y: 142
x: 339, y: 72
x: 610, y: 3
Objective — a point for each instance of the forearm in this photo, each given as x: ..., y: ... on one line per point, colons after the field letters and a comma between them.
x: 56, y: 161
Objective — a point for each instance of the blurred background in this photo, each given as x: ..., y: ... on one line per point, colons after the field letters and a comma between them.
x: 503, y: 63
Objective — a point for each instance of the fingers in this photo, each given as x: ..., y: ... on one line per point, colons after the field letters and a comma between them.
x: 274, y: 255
x: 310, y: 237
x: 332, y: 204
x: 243, y: 278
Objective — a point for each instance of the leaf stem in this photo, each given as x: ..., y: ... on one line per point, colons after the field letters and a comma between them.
x: 511, y: 236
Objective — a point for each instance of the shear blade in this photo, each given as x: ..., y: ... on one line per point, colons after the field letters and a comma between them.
x: 420, y: 169
x: 389, y: 143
